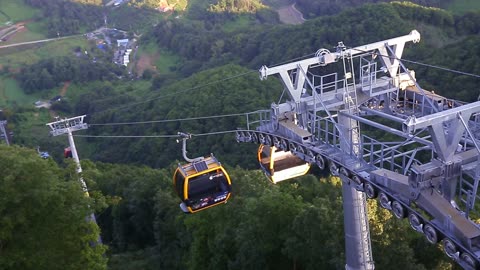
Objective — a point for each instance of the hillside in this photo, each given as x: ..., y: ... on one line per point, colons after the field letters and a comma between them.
x: 192, y: 47
x: 194, y: 68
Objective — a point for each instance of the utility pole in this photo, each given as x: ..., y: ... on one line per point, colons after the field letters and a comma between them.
x: 67, y: 126
x: 4, y: 131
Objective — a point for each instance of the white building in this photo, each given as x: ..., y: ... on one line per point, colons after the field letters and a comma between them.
x: 122, y: 42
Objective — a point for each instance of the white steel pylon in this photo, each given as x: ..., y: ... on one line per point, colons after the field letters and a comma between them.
x: 4, y: 131
x: 67, y: 126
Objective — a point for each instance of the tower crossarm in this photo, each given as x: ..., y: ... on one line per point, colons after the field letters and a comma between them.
x: 390, y: 51
x: 446, y: 128
x: 63, y: 126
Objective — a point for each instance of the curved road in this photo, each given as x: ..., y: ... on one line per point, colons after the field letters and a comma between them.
x: 290, y: 15
x: 35, y: 41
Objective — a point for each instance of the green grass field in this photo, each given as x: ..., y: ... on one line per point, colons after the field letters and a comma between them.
x: 162, y: 60
x: 11, y: 93
x: 15, y: 57
x: 16, y: 10
x: 4, y: 18
x: 23, y: 36
x: 462, y: 6
x: 31, y: 130
x: 150, y: 48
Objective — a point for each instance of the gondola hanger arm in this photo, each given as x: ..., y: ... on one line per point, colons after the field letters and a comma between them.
x: 184, y: 138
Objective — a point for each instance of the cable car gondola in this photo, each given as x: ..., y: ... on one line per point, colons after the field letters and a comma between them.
x: 202, y: 183
x: 280, y: 165
x: 43, y: 155
x: 67, y: 152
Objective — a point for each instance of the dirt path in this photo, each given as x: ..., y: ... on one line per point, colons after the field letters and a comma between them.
x: 290, y: 15
x: 11, y: 31
x: 63, y: 91
x: 35, y: 41
x: 145, y: 62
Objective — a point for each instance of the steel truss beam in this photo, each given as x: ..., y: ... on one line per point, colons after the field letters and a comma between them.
x: 415, y: 178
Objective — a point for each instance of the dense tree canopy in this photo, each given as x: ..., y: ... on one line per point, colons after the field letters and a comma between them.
x: 43, y: 214
x: 69, y: 17
x: 454, y: 60
x: 48, y: 73
x: 296, y: 224
x: 239, y: 91
x: 314, y: 8
x: 238, y: 6
x: 202, y: 46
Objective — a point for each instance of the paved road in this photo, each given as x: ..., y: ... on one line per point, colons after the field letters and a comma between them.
x: 34, y: 42
x: 7, y: 30
x: 290, y: 15
x: 110, y: 3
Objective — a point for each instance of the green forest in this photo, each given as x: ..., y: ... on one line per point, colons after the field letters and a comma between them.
x: 218, y: 47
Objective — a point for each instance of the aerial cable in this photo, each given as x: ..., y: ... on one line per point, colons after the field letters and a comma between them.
x: 442, y: 68
x: 156, y: 136
x: 196, y: 87
x: 171, y: 120
x: 423, y: 64
x: 292, y: 60
x: 213, y: 133
x: 176, y: 93
x: 127, y: 136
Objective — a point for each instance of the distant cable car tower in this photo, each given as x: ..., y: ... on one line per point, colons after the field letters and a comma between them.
x: 67, y: 126
x: 4, y: 131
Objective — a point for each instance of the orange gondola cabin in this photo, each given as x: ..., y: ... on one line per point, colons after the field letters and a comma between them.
x: 280, y: 165
x: 201, y: 184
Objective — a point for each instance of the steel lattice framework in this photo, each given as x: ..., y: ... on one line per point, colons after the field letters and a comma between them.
x: 370, y: 123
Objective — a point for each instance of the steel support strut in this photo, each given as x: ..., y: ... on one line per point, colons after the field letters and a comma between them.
x: 357, y: 234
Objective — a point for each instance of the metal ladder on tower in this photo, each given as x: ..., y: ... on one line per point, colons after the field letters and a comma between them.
x: 349, y: 86
x: 356, y: 216
x: 350, y: 96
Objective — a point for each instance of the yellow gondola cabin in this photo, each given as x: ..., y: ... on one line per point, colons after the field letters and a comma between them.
x: 201, y: 184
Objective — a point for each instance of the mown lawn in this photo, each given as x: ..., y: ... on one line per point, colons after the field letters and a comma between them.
x: 161, y: 60
x: 25, y: 34
x: 11, y: 93
x: 15, y: 11
x: 3, y: 18
x: 15, y: 57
